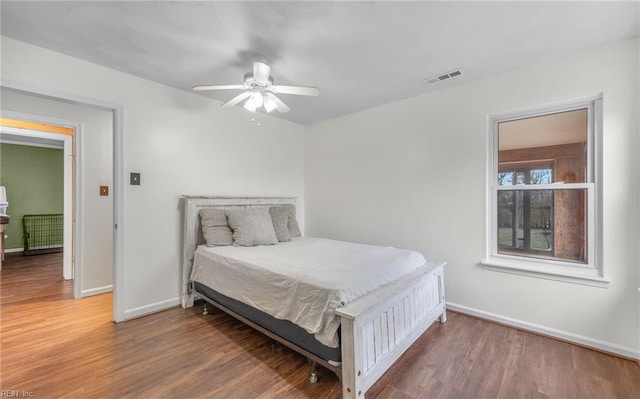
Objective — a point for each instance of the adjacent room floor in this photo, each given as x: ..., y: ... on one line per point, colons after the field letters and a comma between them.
x: 54, y: 346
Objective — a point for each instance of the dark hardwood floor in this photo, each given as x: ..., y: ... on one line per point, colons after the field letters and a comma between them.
x: 54, y: 346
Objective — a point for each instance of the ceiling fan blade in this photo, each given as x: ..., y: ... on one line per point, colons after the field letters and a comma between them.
x: 299, y: 90
x: 237, y: 99
x: 280, y: 106
x: 261, y: 72
x: 219, y: 87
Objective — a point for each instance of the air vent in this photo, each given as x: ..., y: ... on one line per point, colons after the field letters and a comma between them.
x: 444, y: 76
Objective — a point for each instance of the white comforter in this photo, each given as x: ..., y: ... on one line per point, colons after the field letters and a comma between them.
x: 303, y: 280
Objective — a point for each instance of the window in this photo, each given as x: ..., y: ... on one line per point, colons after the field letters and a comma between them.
x: 543, y: 172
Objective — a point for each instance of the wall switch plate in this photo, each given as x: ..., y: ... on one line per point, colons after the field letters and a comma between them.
x: 134, y: 179
x: 104, y: 191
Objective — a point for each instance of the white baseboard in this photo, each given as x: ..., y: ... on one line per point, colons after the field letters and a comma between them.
x: 13, y: 250
x: 96, y: 291
x: 563, y: 335
x: 151, y: 308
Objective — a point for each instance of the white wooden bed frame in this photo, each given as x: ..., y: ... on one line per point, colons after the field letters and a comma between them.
x: 376, y: 329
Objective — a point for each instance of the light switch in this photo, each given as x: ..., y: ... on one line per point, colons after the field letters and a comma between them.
x: 134, y: 179
x: 104, y: 191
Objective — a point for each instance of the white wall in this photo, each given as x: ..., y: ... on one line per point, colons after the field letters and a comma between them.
x: 97, y: 212
x: 181, y: 143
x: 412, y: 174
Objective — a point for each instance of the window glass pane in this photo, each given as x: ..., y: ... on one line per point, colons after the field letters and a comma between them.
x: 541, y: 219
x: 543, y: 224
x: 557, y: 141
x: 505, y: 178
x: 541, y: 176
x: 526, y: 175
x: 506, y: 232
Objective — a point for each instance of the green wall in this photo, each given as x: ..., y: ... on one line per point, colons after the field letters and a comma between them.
x: 34, y: 179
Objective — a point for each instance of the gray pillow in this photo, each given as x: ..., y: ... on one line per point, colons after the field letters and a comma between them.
x: 280, y: 217
x: 251, y: 226
x: 292, y: 222
x: 215, y: 227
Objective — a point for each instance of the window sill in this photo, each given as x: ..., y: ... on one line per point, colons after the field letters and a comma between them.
x: 586, y: 277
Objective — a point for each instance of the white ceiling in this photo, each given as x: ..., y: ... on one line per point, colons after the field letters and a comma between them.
x: 360, y: 54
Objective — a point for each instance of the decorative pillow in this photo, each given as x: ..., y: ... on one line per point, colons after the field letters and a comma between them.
x: 251, y: 226
x: 292, y: 222
x: 280, y: 217
x: 215, y: 227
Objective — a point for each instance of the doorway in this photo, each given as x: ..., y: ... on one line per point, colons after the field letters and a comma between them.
x: 49, y: 137
x: 82, y: 237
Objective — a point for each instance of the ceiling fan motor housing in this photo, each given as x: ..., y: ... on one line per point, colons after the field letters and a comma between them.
x: 251, y: 82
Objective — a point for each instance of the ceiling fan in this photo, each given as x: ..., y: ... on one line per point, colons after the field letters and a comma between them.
x: 260, y: 92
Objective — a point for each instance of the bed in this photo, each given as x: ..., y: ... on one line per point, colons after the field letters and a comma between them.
x: 303, y: 295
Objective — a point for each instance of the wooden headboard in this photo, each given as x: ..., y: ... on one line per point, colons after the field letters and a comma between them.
x: 193, y: 230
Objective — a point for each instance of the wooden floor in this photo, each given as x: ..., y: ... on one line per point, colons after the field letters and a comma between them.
x: 56, y: 347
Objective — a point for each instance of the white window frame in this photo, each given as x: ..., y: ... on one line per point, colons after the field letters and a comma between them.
x: 591, y: 273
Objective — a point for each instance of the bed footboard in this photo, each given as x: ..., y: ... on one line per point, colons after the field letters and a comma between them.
x: 380, y: 326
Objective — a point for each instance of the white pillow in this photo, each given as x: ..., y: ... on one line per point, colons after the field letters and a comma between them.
x: 251, y: 226
x: 215, y: 227
x: 292, y: 222
x: 280, y: 219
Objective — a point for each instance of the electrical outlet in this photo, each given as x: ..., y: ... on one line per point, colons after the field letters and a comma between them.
x: 134, y: 179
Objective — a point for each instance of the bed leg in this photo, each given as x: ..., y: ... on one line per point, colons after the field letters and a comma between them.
x: 443, y: 316
x: 314, y: 376
x: 205, y: 311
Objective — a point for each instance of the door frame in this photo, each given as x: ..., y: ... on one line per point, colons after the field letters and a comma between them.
x: 72, y: 246
x: 117, y: 111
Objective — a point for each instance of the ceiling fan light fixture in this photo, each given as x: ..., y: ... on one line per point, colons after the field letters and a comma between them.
x: 256, y: 97
x: 269, y: 104
x: 250, y: 105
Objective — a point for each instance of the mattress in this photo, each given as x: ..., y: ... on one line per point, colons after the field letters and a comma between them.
x: 283, y: 328
x: 304, y: 280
